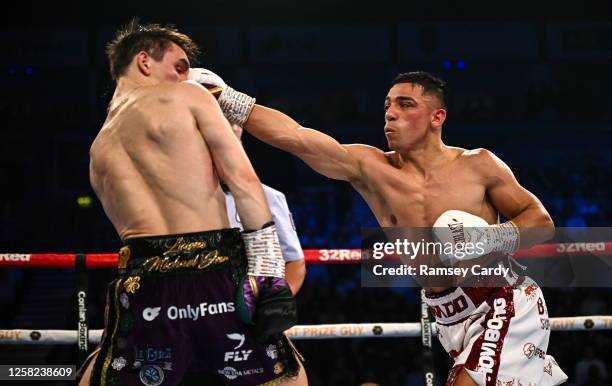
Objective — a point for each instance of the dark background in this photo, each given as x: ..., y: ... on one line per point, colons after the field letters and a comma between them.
x: 529, y: 80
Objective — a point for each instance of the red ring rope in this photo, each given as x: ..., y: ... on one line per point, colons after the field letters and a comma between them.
x: 312, y: 256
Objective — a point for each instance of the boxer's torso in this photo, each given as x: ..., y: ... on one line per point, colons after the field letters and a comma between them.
x: 401, y: 196
x: 151, y: 168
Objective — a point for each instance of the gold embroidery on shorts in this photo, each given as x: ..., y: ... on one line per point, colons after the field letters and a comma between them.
x: 166, y: 263
x: 132, y: 284
x: 109, y: 354
x: 276, y: 381
x: 124, y: 256
x: 278, y: 368
x: 254, y: 287
x: 181, y: 245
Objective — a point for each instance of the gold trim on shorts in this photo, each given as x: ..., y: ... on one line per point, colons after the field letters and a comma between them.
x: 109, y: 353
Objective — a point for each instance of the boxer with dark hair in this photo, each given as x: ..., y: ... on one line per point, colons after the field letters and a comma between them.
x: 192, y: 294
x: 420, y: 183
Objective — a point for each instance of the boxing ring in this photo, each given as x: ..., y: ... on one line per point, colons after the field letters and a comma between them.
x: 82, y: 337
x: 318, y: 331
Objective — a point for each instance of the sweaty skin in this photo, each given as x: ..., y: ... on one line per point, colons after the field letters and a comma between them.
x: 155, y: 176
x: 420, y: 178
x: 154, y: 163
x: 412, y: 185
x: 151, y: 164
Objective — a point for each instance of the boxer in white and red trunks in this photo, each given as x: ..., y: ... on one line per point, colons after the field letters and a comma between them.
x: 496, y: 329
x: 414, y: 185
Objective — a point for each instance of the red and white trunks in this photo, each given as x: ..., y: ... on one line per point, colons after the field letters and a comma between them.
x: 499, y: 335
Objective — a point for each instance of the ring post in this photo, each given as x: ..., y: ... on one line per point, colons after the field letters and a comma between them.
x: 426, y: 334
x: 82, y: 326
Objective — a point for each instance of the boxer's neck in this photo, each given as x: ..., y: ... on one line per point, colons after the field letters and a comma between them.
x: 426, y: 155
x: 126, y: 85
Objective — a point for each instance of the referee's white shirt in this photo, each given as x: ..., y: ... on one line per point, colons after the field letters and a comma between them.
x: 289, y: 241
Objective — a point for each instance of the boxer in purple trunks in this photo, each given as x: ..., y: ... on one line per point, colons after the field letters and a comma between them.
x: 192, y: 295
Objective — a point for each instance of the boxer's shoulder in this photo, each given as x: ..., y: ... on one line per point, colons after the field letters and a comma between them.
x: 481, y: 160
x: 185, y: 93
x: 365, y: 155
x: 478, y: 155
x: 157, y: 94
x: 364, y: 150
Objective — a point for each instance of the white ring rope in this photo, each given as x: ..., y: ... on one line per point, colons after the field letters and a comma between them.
x: 318, y: 331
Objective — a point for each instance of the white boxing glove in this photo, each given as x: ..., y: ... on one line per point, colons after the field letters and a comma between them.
x: 454, y: 229
x: 236, y: 106
x: 213, y: 82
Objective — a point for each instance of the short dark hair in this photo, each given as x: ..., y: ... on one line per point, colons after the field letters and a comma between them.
x: 152, y: 38
x: 431, y: 85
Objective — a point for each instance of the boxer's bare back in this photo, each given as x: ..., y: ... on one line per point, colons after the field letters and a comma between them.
x: 151, y: 164
x: 154, y: 163
x: 152, y: 170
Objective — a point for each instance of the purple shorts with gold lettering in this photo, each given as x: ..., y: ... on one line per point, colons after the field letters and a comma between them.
x: 173, y: 311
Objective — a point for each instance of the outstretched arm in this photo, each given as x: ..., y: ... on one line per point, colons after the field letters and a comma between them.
x: 231, y: 162
x: 320, y: 151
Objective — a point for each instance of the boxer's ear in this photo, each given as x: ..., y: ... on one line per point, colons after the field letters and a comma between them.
x: 438, y: 116
x: 143, y: 62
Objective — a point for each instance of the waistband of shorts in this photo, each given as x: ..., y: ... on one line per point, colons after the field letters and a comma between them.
x: 476, y: 294
x: 197, y: 251
x: 481, y: 282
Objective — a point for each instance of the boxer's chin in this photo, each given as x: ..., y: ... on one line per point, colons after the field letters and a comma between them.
x: 391, y: 144
x: 396, y: 146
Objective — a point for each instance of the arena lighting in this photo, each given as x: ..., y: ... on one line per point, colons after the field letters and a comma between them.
x: 84, y: 201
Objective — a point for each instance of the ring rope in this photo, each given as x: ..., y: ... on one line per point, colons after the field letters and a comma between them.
x: 311, y: 256
x: 318, y: 331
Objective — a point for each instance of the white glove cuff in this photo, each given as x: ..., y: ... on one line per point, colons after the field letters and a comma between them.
x: 506, y: 237
x: 264, y: 253
x: 236, y: 106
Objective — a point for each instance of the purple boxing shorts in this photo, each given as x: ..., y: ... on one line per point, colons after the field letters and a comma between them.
x: 173, y: 311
